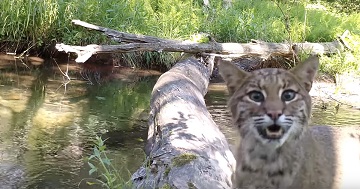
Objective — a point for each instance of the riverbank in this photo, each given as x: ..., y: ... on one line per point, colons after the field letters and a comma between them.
x: 344, y: 91
x: 36, y: 26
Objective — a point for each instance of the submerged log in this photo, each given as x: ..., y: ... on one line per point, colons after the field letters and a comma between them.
x: 185, y: 148
x: 150, y: 43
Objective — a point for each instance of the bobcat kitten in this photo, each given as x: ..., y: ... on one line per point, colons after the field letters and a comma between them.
x: 271, y: 108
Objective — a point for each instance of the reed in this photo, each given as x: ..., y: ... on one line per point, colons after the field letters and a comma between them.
x: 38, y: 24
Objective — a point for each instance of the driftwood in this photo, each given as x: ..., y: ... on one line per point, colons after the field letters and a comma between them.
x: 150, y: 43
x: 121, y: 36
x: 185, y: 148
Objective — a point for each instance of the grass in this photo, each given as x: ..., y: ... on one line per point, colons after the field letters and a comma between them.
x: 35, y: 24
x: 109, y: 177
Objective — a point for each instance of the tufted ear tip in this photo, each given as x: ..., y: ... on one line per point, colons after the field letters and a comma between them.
x: 232, y: 75
x: 307, y: 70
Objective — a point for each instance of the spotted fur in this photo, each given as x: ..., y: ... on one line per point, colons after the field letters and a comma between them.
x: 271, y: 109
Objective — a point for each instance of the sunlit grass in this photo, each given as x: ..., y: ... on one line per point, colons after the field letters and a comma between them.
x: 41, y: 23
x: 346, y: 62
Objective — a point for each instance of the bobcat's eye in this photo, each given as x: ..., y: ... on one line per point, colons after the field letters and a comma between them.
x: 288, y: 95
x: 256, y: 96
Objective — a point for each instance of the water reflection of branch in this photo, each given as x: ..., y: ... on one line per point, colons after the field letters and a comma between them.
x: 85, y: 74
x: 341, y: 103
x: 21, y: 55
x: 66, y: 76
x: 86, y: 77
x: 23, y: 63
x: 338, y: 101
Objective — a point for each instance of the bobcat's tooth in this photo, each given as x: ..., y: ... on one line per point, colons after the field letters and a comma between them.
x: 273, y: 133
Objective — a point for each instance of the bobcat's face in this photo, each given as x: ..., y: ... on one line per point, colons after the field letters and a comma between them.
x: 271, y: 105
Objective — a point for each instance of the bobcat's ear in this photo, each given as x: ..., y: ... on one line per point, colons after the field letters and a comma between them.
x: 232, y: 75
x: 306, y: 71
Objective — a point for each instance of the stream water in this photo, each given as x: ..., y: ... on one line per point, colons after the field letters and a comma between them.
x: 50, y: 116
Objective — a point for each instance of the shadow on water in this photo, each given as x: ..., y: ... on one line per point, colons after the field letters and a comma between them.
x: 48, y: 123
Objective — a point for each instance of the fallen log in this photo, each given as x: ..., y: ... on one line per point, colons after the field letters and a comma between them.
x: 150, y: 43
x: 262, y: 49
x: 185, y: 148
x: 121, y: 36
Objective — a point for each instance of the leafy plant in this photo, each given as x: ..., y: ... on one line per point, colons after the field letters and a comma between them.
x: 101, y: 164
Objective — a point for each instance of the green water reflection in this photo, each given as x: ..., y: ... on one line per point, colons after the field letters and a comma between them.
x: 48, y: 123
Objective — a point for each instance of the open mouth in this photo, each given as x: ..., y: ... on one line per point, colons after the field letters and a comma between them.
x: 272, y: 132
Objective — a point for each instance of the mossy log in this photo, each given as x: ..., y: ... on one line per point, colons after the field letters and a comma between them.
x: 185, y: 148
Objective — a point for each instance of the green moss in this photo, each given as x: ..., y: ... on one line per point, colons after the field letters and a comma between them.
x: 191, y: 185
x: 167, y: 171
x: 166, y: 186
x: 183, y: 159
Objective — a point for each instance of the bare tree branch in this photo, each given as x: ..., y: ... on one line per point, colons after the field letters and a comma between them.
x: 150, y: 43
x: 234, y: 49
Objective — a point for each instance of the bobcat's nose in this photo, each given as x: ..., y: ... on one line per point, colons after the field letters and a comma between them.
x: 274, y: 114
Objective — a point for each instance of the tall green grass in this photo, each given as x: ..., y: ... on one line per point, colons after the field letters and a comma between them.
x: 39, y: 23
x: 27, y: 21
x: 46, y: 20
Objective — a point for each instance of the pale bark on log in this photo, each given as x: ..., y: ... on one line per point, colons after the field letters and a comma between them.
x: 261, y: 49
x: 122, y: 36
x: 150, y: 43
x: 185, y: 148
